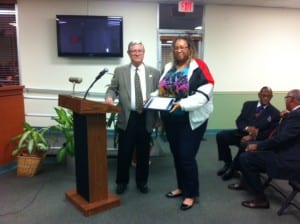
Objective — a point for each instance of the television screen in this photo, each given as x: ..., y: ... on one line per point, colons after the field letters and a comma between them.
x: 89, y: 35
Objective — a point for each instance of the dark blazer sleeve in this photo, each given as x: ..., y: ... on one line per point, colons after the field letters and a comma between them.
x: 286, y: 139
x: 267, y: 122
x: 245, y: 118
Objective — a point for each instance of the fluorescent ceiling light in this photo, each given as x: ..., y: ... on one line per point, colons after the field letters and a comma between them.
x: 198, y: 28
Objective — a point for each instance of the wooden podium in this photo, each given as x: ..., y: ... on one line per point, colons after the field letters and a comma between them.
x: 91, y: 194
x: 12, y: 119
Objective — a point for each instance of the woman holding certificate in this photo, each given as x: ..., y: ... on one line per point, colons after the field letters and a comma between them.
x: 188, y: 80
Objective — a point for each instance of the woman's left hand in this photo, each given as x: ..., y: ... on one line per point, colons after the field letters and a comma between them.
x: 175, y: 107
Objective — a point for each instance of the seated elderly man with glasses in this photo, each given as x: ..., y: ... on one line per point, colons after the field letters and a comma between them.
x: 278, y: 156
x: 255, y: 122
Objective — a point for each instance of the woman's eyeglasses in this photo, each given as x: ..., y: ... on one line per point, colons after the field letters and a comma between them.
x: 180, y: 48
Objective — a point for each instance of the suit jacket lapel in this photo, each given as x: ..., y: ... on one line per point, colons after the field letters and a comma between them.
x: 148, y: 81
x: 127, y: 80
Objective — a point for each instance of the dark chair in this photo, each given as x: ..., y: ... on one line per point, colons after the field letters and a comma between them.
x: 295, y: 184
x: 295, y: 189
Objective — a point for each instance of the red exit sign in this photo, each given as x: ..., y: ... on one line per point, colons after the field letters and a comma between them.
x: 185, y: 6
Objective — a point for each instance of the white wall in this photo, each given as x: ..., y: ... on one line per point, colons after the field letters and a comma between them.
x: 244, y: 47
x: 40, y: 66
x: 249, y: 47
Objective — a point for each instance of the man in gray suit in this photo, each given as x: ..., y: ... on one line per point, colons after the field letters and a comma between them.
x: 134, y: 124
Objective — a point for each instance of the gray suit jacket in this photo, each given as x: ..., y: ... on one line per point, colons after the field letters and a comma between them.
x: 121, y: 87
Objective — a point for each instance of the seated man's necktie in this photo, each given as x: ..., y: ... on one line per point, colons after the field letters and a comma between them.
x: 259, y: 110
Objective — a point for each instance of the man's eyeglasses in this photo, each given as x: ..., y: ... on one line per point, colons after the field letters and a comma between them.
x: 265, y: 95
x: 287, y: 97
x: 136, y: 51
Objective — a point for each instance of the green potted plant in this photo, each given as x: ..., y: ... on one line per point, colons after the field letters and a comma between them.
x: 64, y: 125
x: 31, y: 148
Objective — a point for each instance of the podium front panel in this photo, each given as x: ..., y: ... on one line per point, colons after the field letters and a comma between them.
x: 81, y: 156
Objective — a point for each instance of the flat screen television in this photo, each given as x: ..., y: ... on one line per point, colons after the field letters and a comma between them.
x: 89, y: 36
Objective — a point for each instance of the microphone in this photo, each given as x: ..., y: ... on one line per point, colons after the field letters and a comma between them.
x: 96, y: 79
x: 101, y: 73
x: 75, y: 80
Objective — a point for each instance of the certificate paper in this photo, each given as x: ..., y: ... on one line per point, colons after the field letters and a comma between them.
x: 159, y: 103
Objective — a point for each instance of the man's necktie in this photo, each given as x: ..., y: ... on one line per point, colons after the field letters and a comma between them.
x: 259, y: 110
x: 138, y: 93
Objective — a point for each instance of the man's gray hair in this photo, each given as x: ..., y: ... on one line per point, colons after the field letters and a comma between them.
x: 295, y: 93
x: 134, y: 42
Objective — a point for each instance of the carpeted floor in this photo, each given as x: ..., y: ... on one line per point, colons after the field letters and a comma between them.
x: 41, y: 199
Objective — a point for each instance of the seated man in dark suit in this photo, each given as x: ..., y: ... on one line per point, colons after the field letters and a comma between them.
x: 278, y: 156
x: 255, y: 122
